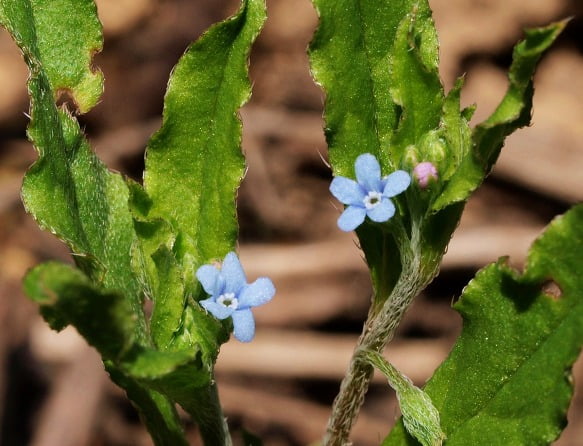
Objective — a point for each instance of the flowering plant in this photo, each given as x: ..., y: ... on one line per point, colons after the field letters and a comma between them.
x: 160, y: 240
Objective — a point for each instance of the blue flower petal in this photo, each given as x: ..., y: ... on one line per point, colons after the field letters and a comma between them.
x: 217, y: 310
x: 351, y: 218
x: 233, y: 273
x: 207, y: 275
x: 347, y: 191
x: 243, y: 325
x: 396, y: 183
x: 368, y: 172
x: 382, y: 212
x: 259, y: 292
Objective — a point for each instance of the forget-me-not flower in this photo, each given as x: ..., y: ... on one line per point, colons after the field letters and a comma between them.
x: 370, y: 194
x: 232, y: 296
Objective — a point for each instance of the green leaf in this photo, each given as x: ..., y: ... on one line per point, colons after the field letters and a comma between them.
x: 195, y: 158
x: 156, y: 411
x: 366, y: 103
x: 170, y: 299
x: 68, y: 190
x: 513, y: 112
x: 184, y: 377
x: 521, y: 335
x: 71, y: 193
x: 60, y: 38
x: 420, y: 417
x: 415, y: 85
x: 66, y: 296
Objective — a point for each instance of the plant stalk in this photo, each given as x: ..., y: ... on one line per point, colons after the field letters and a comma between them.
x: 378, y: 330
x: 208, y: 415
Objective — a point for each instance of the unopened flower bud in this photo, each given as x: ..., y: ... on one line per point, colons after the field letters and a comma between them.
x: 425, y: 173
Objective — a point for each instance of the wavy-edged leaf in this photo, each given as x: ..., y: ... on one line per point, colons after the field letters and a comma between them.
x: 68, y: 190
x: 507, y: 380
x: 513, y: 112
x: 60, y: 38
x: 195, y: 158
x: 414, y: 84
x: 66, y: 296
x: 359, y: 54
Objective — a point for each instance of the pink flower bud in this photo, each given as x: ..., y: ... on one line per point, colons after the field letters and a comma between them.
x: 425, y: 173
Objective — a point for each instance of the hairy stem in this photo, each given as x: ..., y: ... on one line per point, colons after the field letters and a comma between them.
x: 378, y: 329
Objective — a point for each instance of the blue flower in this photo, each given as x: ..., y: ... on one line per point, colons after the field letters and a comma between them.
x: 232, y: 296
x: 370, y: 194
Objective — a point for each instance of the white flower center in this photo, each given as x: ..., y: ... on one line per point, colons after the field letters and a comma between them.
x: 372, y: 200
x: 228, y: 300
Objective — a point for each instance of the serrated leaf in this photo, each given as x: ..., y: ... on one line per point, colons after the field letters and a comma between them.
x: 513, y: 112
x: 507, y: 379
x: 420, y: 417
x: 195, y: 158
x: 60, y: 38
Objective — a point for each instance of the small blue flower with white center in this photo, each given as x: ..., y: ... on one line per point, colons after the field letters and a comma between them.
x: 232, y: 296
x: 370, y: 194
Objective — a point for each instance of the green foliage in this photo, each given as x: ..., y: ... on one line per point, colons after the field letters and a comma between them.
x: 68, y: 190
x: 420, y: 417
x: 513, y: 112
x: 131, y: 242
x: 378, y: 64
x: 507, y: 380
x: 103, y: 317
x: 58, y: 37
x: 195, y: 159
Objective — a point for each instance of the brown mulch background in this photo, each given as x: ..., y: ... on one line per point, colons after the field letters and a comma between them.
x: 53, y: 390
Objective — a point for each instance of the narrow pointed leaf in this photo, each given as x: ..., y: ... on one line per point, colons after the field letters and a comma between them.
x: 508, y: 378
x: 195, y: 158
x: 68, y: 190
x: 420, y: 417
x: 513, y: 112
x: 415, y: 85
x: 170, y: 299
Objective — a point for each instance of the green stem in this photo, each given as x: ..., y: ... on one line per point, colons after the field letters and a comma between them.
x: 207, y: 412
x: 156, y: 411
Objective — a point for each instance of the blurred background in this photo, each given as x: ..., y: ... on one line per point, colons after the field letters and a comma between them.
x: 53, y: 390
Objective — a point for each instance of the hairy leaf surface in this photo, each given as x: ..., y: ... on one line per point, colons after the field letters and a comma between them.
x: 68, y: 190
x: 195, y: 158
x: 507, y: 380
